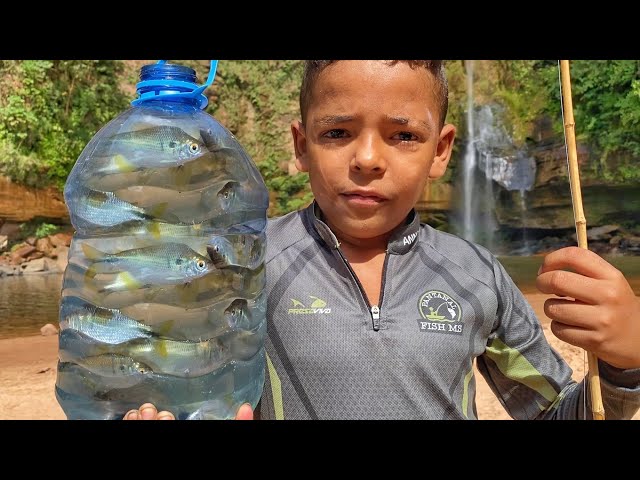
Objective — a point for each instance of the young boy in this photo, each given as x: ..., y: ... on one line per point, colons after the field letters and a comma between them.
x: 373, y: 315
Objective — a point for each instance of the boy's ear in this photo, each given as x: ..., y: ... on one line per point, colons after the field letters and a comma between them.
x: 443, y: 151
x: 300, y: 145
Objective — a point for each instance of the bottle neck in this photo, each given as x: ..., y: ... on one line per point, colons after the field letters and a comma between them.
x: 168, y: 102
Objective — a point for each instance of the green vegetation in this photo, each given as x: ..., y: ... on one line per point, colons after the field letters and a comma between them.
x: 606, y: 104
x: 257, y: 102
x: 50, y: 109
x: 37, y: 228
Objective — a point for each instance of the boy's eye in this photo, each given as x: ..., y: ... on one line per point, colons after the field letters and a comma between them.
x: 406, y: 137
x: 335, y: 133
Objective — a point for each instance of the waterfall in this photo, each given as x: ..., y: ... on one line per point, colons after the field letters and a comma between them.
x: 526, y: 246
x: 469, y: 163
x: 490, y: 158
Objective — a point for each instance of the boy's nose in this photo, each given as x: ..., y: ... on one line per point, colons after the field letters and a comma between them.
x: 368, y: 157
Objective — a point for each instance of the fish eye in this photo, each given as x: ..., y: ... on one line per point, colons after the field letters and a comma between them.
x: 200, y: 264
x: 194, y: 148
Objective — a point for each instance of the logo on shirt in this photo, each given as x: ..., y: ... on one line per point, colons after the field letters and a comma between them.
x: 408, y: 240
x: 317, y: 306
x: 440, y: 313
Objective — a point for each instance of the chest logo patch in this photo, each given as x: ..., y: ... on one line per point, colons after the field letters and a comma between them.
x: 440, y: 313
x: 316, y: 306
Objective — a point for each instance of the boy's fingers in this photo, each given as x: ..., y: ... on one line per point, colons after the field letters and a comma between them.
x: 132, y: 415
x: 164, y: 415
x: 572, y: 313
x: 569, y: 284
x: 148, y: 411
x: 580, y: 337
x: 245, y: 412
x: 579, y: 260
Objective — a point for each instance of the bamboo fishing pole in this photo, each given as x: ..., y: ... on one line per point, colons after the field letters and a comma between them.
x: 597, y: 408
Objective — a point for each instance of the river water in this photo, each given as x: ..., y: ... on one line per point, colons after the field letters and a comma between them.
x: 29, y: 302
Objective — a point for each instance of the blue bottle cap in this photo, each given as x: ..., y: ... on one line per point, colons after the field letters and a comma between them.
x: 168, y: 81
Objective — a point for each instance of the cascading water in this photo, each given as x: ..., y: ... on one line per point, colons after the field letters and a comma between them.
x: 490, y: 156
x: 469, y: 164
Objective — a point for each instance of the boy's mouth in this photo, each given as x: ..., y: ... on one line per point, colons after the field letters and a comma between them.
x: 364, y: 197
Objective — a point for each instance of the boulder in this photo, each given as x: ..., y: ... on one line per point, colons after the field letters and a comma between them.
x: 9, y: 270
x: 60, y: 239
x: 62, y: 258
x: 601, y: 233
x: 18, y: 255
x: 44, y: 245
x: 10, y: 229
x: 49, y: 329
x: 34, y: 266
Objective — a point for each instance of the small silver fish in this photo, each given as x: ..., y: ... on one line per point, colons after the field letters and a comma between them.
x: 152, y: 147
x: 102, y: 324
x: 182, y: 359
x: 105, y: 209
x: 114, y: 365
x: 169, y: 263
x: 118, y: 172
x: 242, y: 250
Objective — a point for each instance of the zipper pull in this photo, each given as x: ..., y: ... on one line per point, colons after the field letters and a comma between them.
x: 375, y: 314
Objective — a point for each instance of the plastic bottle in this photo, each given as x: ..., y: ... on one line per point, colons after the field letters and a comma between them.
x: 163, y: 296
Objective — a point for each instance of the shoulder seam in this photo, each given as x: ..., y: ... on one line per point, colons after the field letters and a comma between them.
x: 287, y: 248
x: 493, y: 289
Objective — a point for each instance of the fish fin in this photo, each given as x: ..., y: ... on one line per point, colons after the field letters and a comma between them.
x: 237, y: 281
x: 91, y: 272
x: 161, y: 348
x: 126, y: 279
x: 93, y: 253
x: 122, y: 164
x: 188, y: 293
x: 153, y: 228
x: 166, y: 328
x: 159, y: 211
x: 182, y: 175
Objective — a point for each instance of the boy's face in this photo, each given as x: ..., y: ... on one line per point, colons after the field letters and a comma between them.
x: 370, y: 142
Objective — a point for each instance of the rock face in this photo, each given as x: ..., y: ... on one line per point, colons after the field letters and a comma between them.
x: 20, y: 204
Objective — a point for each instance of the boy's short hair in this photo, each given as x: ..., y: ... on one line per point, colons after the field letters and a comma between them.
x: 312, y: 69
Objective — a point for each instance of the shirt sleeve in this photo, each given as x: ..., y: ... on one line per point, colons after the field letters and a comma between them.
x: 531, y: 380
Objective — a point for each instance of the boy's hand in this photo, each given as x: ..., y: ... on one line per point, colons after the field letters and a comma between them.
x: 148, y: 411
x: 604, y: 315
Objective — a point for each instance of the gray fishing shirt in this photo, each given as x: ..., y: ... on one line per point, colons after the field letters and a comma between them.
x: 445, y: 302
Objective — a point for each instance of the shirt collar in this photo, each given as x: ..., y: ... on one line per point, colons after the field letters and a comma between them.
x: 401, y: 241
